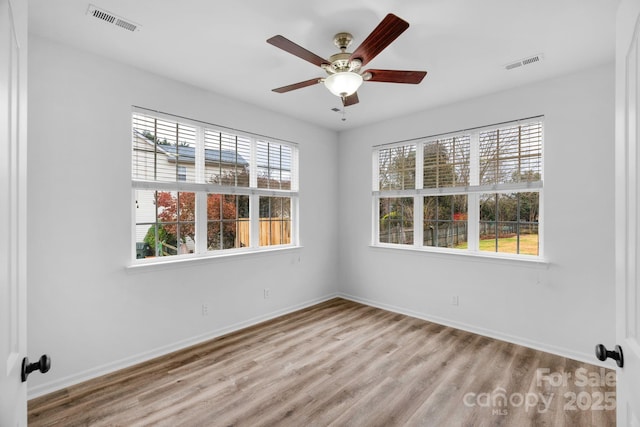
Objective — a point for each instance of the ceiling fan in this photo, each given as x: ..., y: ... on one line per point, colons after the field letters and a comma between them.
x: 344, y: 74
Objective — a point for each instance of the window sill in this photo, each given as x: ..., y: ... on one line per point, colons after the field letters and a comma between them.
x: 191, y: 259
x: 533, y: 261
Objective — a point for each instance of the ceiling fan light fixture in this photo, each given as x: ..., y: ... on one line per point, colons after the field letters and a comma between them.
x: 344, y: 76
x: 343, y: 83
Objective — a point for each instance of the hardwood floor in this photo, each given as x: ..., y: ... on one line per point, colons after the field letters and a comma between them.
x: 344, y: 364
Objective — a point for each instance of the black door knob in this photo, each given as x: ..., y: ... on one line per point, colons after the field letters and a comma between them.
x: 43, y: 365
x: 602, y: 354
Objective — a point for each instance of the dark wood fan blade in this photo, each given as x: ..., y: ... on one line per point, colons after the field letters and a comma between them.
x: 350, y: 100
x: 396, y: 76
x: 386, y: 32
x: 299, y: 85
x: 294, y: 49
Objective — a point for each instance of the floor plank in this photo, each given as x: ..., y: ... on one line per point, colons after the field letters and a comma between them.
x: 340, y: 363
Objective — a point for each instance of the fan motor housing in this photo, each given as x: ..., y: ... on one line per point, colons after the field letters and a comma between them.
x: 341, y: 61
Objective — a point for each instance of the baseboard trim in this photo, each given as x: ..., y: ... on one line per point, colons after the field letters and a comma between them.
x: 49, y: 387
x: 108, y: 368
x: 559, y: 351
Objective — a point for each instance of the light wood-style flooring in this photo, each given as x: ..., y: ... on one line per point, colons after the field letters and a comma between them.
x: 341, y: 363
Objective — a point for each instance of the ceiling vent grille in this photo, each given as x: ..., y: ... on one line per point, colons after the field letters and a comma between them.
x: 111, y: 18
x: 525, y: 61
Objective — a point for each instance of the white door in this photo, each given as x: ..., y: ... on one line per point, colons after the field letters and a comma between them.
x: 13, y: 210
x: 628, y: 210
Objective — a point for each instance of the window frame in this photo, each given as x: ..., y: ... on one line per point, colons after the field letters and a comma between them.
x: 203, y: 189
x: 473, y: 191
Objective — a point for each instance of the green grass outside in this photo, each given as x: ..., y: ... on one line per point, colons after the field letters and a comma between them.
x: 528, y: 245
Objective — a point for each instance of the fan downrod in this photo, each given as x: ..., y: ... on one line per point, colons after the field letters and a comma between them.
x: 342, y: 41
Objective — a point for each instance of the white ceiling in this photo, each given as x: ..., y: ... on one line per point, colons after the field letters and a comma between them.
x: 221, y: 46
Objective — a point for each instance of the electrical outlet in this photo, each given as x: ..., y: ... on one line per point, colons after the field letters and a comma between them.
x: 454, y: 300
x: 205, y: 310
x: 267, y: 293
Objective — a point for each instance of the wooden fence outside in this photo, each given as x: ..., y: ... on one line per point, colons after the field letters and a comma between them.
x: 272, y: 232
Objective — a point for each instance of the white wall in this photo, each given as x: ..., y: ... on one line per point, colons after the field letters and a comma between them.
x: 86, y: 310
x: 566, y: 306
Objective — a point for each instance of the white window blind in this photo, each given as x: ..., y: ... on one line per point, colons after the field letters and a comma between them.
x: 397, y: 168
x: 226, y: 158
x: 274, y: 165
x: 446, y: 162
x: 160, y: 147
x: 511, y: 154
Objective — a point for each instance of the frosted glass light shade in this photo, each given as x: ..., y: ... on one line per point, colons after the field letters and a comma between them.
x: 344, y: 83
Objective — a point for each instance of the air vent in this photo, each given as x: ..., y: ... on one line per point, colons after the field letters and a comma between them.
x: 111, y: 18
x: 525, y: 61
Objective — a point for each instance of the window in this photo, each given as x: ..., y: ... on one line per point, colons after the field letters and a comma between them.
x: 200, y: 189
x: 228, y: 222
x: 473, y: 191
x: 445, y: 221
x: 396, y: 220
x: 275, y: 220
